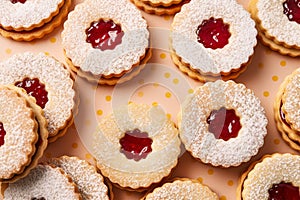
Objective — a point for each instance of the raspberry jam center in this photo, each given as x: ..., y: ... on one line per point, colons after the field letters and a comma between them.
x: 104, y: 35
x: 41, y: 198
x: 136, y: 145
x: 213, y: 33
x: 36, y: 89
x: 291, y: 8
x: 224, y: 124
x: 284, y: 191
x: 18, y: 1
x: 2, y: 134
x: 282, y: 116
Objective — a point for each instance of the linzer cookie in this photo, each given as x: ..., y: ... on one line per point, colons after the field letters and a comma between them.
x: 84, y: 175
x: 212, y: 40
x: 136, y: 146
x: 286, y: 109
x: 275, y: 176
x: 105, y: 41
x: 25, y: 20
x: 182, y: 188
x: 160, y: 7
x: 23, y: 133
x: 43, y: 182
x: 49, y: 82
x: 278, y: 24
x: 222, y: 123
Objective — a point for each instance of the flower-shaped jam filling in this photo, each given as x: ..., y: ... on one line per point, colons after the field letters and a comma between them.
x: 224, y: 124
x: 213, y: 33
x: 284, y: 191
x: 104, y: 34
x: 291, y: 8
x: 36, y: 89
x: 136, y: 145
x: 18, y: 1
x: 2, y: 134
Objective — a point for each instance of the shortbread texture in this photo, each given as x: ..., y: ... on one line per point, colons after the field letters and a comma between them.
x: 42, y: 181
x: 272, y: 170
x: 57, y: 80
x: 28, y: 14
x: 291, y: 100
x: 85, y: 176
x: 182, y: 189
x: 241, y: 42
x: 109, y: 62
x: 202, y: 144
x: 21, y: 133
x: 133, y: 174
x: 276, y: 24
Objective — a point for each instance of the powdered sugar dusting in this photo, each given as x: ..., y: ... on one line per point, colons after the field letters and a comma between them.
x: 25, y: 15
x: 193, y: 126
x: 182, y: 189
x: 291, y: 100
x: 165, y: 146
x: 231, y: 56
x: 276, y: 23
x: 57, y: 82
x: 21, y: 135
x: 42, y: 181
x: 88, y: 180
x: 272, y: 170
x: 124, y: 56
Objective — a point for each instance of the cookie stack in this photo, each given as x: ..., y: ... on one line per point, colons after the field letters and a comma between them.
x: 25, y: 20
x: 61, y: 178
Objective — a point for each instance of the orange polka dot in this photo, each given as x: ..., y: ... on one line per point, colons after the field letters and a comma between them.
x: 200, y: 179
x: 8, y: 51
x: 154, y: 104
x: 210, y: 171
x: 260, y: 65
x: 168, y: 94
x: 230, y: 183
x: 162, y: 55
x: 47, y: 53
x: 169, y: 116
x: 74, y: 145
x: 155, y: 84
x: 88, y: 156
x: 276, y: 141
x: 99, y: 112
x: 283, y: 63
x: 108, y: 98
x: 275, y: 78
x: 167, y: 75
x: 53, y: 40
x: 140, y: 94
x: 167, y: 17
x: 175, y: 81
x: 266, y: 93
x: 223, y: 197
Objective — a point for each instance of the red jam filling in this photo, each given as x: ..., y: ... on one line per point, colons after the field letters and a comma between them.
x: 2, y: 134
x: 41, y: 198
x: 136, y: 145
x: 17, y: 1
x: 284, y: 191
x: 104, y: 35
x: 291, y: 8
x: 224, y: 124
x: 36, y: 89
x: 213, y: 33
x: 282, y: 115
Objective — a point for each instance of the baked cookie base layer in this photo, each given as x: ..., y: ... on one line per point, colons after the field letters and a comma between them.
x: 40, y: 32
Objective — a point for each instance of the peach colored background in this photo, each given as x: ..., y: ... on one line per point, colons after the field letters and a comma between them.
x: 165, y: 87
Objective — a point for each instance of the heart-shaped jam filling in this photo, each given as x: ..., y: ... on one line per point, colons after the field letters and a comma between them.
x: 284, y: 191
x: 2, y: 134
x: 104, y: 34
x: 18, y: 1
x: 224, y: 124
x: 291, y: 8
x: 36, y: 89
x: 136, y: 145
x: 213, y: 33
